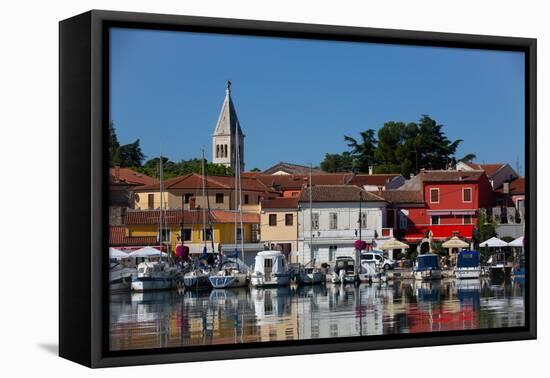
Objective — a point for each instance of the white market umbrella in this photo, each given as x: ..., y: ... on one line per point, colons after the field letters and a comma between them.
x: 393, y: 244
x: 147, y: 252
x: 494, y: 243
x: 517, y: 242
x: 455, y: 242
x: 115, y: 253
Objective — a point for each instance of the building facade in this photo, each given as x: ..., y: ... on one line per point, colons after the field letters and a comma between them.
x: 329, y: 223
x: 279, y: 226
x: 446, y: 205
x: 197, y: 232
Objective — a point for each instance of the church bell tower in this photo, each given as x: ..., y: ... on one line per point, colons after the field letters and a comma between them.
x: 228, y: 138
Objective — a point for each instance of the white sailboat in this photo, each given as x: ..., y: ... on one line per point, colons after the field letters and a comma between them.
x: 233, y: 273
x: 310, y: 275
x: 157, y: 275
x: 120, y: 275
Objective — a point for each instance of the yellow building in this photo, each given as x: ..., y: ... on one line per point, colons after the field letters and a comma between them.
x: 279, y: 225
x: 196, y: 228
x: 188, y: 191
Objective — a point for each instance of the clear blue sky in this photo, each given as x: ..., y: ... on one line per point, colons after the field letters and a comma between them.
x: 297, y: 98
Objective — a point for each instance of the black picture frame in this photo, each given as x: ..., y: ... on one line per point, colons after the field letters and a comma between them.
x: 83, y: 229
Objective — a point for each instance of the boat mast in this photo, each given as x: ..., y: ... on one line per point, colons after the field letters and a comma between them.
x: 161, y: 187
x: 205, y: 192
x: 239, y: 188
x: 312, y: 257
x: 204, y: 197
x: 358, y: 250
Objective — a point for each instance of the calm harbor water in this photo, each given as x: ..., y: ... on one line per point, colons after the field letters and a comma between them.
x: 166, y: 319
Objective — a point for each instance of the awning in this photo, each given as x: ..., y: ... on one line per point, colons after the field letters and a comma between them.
x: 455, y: 242
x: 517, y: 242
x: 117, y: 254
x: 147, y: 252
x: 464, y: 212
x: 393, y: 244
x: 439, y: 212
x: 494, y: 243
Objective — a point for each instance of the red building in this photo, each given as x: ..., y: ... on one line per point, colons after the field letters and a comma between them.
x: 443, y: 202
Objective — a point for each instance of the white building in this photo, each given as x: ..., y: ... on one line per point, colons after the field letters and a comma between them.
x: 498, y: 174
x: 228, y: 135
x: 331, y: 227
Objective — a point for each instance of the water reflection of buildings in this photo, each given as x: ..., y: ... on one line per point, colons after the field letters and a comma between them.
x: 165, y: 319
x: 276, y: 317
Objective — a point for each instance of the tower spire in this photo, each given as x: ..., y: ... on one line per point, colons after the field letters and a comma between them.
x: 226, y: 133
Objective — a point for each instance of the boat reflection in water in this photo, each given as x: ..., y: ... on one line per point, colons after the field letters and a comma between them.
x: 258, y: 314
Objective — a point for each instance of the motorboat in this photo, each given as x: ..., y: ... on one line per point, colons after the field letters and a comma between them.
x: 310, y: 276
x: 270, y: 269
x: 370, y: 272
x: 344, y: 270
x: 427, y: 267
x: 155, y: 275
x: 498, y: 268
x: 467, y: 265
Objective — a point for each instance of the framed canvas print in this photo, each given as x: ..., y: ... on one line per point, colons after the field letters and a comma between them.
x: 234, y: 188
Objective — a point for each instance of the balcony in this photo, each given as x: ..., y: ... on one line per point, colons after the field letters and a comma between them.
x: 441, y: 231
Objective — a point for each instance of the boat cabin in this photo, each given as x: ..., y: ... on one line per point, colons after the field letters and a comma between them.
x: 467, y: 259
x: 270, y: 262
x: 344, y: 262
x: 427, y: 261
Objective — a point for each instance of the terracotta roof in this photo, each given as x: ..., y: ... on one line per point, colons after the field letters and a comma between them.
x: 377, y: 179
x: 173, y: 217
x: 291, y: 169
x: 517, y: 186
x: 338, y: 193
x: 402, y: 196
x: 297, y: 182
x: 195, y: 181
x: 281, y: 203
x: 490, y: 169
x: 130, y: 176
x: 117, y: 236
x: 450, y: 176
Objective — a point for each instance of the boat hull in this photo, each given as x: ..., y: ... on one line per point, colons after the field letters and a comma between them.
x: 275, y: 280
x: 304, y: 278
x: 467, y: 273
x: 149, y: 284
x: 223, y: 282
x: 196, y: 282
x: 431, y: 274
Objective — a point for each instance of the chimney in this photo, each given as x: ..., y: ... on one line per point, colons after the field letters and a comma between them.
x: 506, y: 188
x: 117, y: 172
x: 192, y: 203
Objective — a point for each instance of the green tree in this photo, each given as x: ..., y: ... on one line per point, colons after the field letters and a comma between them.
x: 255, y: 169
x: 468, y: 158
x: 114, y: 145
x: 337, y: 162
x: 363, y: 151
x: 171, y: 169
x: 485, y: 229
x: 131, y: 155
x: 390, y: 138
